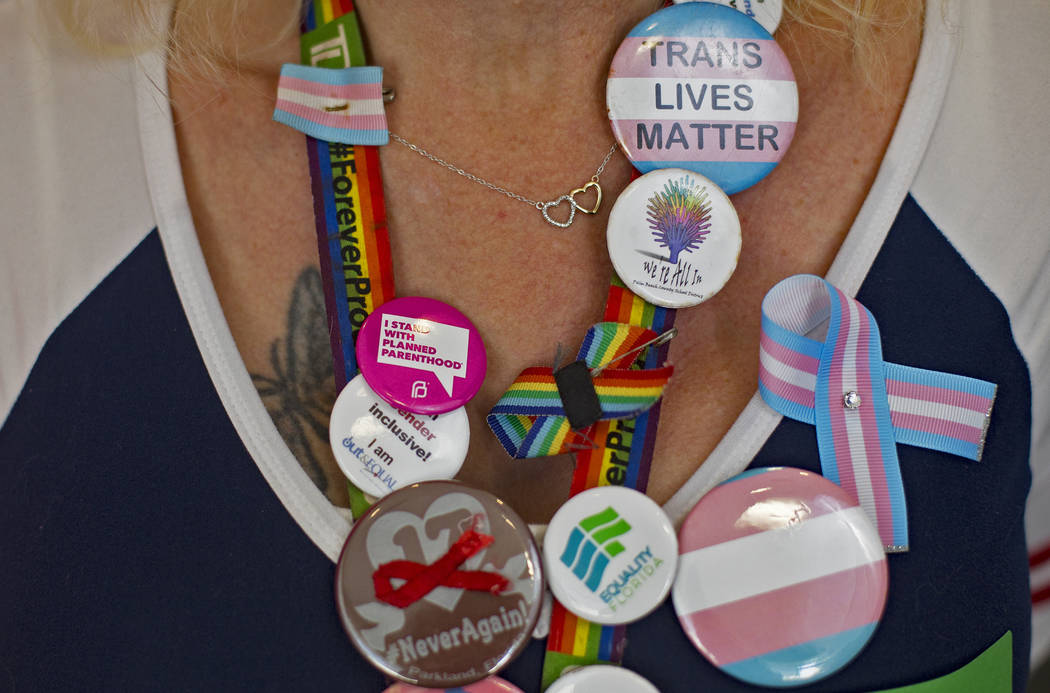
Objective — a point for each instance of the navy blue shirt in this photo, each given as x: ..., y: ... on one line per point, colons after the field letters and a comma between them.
x: 142, y: 549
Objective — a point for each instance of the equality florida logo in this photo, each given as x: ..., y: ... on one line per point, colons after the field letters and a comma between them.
x: 590, y: 551
x: 592, y: 544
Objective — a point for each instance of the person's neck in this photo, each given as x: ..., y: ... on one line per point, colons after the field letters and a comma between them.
x: 499, y: 49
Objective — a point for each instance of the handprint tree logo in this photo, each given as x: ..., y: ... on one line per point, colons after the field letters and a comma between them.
x: 680, y: 216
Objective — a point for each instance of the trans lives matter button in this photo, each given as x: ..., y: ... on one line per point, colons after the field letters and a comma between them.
x: 782, y: 578
x: 381, y: 448
x: 492, y: 684
x: 601, y: 678
x: 439, y: 585
x: 674, y: 238
x: 610, y: 554
x: 421, y: 355
x: 703, y: 87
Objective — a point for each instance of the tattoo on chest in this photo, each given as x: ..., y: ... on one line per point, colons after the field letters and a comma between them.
x: 299, y: 391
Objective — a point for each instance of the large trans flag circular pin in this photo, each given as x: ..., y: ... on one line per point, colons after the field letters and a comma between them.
x: 703, y: 87
x: 782, y: 578
x: 421, y: 355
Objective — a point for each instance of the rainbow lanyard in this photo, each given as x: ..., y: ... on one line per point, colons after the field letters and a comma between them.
x: 354, y: 250
x: 352, y: 240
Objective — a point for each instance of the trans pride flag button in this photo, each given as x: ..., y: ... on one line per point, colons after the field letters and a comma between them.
x: 381, y: 448
x: 703, y: 87
x: 610, y: 555
x: 492, y: 684
x: 782, y: 578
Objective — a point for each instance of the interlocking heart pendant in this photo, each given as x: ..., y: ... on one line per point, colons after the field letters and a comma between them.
x: 583, y: 190
x: 555, y: 203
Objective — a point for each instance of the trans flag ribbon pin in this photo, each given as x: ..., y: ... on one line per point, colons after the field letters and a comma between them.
x: 860, y: 405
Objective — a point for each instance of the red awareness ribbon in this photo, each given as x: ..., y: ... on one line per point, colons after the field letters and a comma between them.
x: 420, y: 579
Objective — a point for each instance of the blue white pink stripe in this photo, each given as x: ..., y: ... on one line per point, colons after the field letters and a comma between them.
x: 816, y: 345
x: 775, y: 567
x: 334, y: 105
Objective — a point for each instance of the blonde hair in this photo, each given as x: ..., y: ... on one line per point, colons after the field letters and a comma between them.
x: 202, y: 28
x: 211, y: 31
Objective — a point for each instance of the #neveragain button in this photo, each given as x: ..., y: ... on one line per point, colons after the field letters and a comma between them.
x: 674, y: 238
x: 492, y: 684
x: 601, y: 678
x: 610, y: 554
x: 381, y: 448
x: 782, y: 578
x: 439, y: 585
x: 703, y: 87
x: 421, y: 355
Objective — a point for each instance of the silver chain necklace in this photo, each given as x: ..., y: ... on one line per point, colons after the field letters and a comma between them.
x: 543, y: 207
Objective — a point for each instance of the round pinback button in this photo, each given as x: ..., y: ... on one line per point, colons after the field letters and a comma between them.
x: 765, y: 12
x: 381, y: 448
x: 492, y: 684
x: 782, y: 578
x: 439, y: 585
x: 674, y: 238
x: 610, y: 554
x: 601, y: 678
x: 703, y: 87
x: 421, y: 355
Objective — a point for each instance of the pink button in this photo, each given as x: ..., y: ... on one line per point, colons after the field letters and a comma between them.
x: 421, y: 355
x: 781, y: 577
x: 492, y: 684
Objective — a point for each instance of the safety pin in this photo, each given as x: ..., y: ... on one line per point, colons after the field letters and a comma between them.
x: 655, y: 341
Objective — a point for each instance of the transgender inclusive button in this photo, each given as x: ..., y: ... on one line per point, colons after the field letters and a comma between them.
x: 703, y: 87
x: 439, y: 585
x: 421, y: 355
x: 381, y: 448
x: 782, y: 578
x: 610, y: 554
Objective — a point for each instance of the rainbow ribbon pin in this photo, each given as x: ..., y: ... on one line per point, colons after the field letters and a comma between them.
x: 862, y: 406
x: 530, y: 419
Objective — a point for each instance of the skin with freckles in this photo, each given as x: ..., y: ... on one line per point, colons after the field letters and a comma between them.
x: 515, y: 94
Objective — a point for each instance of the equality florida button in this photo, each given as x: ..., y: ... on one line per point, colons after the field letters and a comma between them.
x: 439, y: 585
x: 610, y: 555
x: 782, y: 578
x: 421, y: 355
x: 381, y: 448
